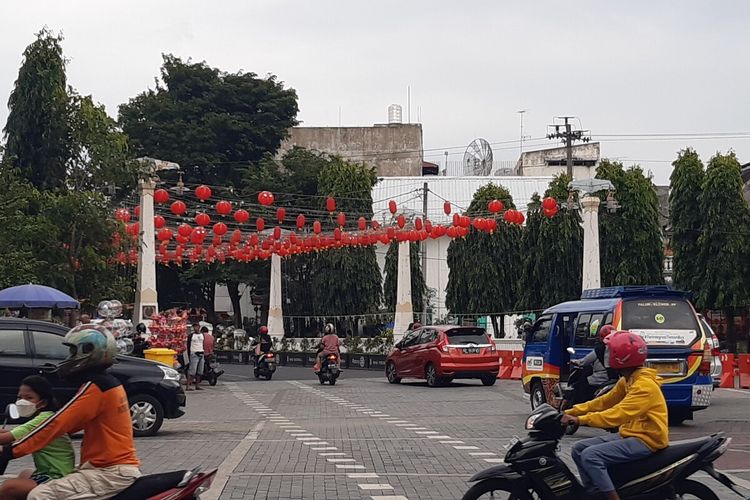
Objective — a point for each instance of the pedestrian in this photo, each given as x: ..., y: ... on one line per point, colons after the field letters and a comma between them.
x: 195, y: 357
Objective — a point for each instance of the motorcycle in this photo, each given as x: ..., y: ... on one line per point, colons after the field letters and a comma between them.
x: 265, y: 365
x: 211, y: 369
x: 532, y: 467
x: 177, y: 485
x: 573, y: 393
x: 329, y: 369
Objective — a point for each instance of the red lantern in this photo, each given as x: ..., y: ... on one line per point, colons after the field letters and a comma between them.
x: 265, y: 198
x: 491, y: 225
x: 401, y: 221
x: 133, y: 229
x: 362, y: 223
x: 495, y: 206
x: 223, y: 207
x: 280, y: 214
x: 509, y: 216
x: 164, y: 234
x: 122, y: 214
x: 330, y: 204
x: 316, y: 227
x: 137, y: 211
x: 391, y: 232
x: 197, y: 236
x: 549, y: 203
x: 418, y: 224
x: 465, y: 221
x: 447, y: 207
x: 241, y: 216
x: 341, y: 219
x: 260, y: 224
x: 161, y: 196
x: 300, y: 222
x: 159, y: 222
x: 337, y: 234
x: 277, y: 233
x: 428, y: 226
x: 478, y: 223
x: 203, y: 192
x: 456, y: 219
x: 236, y: 237
x: 452, y: 232
x: 178, y: 208
x: 550, y: 212
x: 220, y: 229
x: 202, y: 219
x: 520, y: 218
x: 392, y: 207
x: 184, y: 230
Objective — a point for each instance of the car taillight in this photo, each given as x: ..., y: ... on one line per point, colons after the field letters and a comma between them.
x: 716, y: 351
x: 442, y: 344
x: 705, y: 368
x: 493, y: 346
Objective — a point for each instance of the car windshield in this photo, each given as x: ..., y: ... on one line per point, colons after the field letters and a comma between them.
x: 467, y: 336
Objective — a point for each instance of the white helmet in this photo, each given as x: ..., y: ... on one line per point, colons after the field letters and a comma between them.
x: 329, y: 329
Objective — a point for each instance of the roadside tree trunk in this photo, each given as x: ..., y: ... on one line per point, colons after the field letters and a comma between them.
x: 233, y: 287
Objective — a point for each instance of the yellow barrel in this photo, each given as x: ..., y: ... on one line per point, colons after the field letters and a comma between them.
x: 161, y: 354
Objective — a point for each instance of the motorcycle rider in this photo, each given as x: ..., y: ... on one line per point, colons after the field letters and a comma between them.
x: 100, y: 409
x: 329, y: 344
x: 636, y: 405
x: 139, y: 341
x: 595, y: 360
x: 262, y: 343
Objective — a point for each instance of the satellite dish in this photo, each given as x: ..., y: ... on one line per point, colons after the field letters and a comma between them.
x: 478, y: 158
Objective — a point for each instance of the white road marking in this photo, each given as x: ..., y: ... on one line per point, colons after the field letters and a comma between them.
x: 466, y: 447
x: 324, y: 448
x: 389, y: 497
x: 425, y: 432
x: 340, y: 460
x: 315, y: 443
x: 308, y: 439
x: 482, y: 454
x: 438, y: 437
x: 350, y: 466
x: 494, y: 460
x: 332, y: 454
x: 362, y: 475
x: 371, y: 486
x: 452, y: 442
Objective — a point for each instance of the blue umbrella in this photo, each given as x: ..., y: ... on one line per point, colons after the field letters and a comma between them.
x: 36, y: 296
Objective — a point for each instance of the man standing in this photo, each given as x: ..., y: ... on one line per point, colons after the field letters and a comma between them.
x: 195, y: 357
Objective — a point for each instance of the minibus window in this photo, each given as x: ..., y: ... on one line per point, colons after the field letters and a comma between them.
x: 540, y: 332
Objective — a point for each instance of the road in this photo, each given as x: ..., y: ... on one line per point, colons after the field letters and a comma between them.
x: 365, y: 438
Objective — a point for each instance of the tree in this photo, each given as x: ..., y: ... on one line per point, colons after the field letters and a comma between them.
x: 37, y: 132
x: 686, y: 184
x: 484, y: 268
x: 724, y: 253
x: 631, y: 248
x: 418, y: 286
x: 530, y: 287
x: 214, y: 124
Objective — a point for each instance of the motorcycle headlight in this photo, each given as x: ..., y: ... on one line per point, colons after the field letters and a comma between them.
x: 530, y: 422
x: 170, y: 373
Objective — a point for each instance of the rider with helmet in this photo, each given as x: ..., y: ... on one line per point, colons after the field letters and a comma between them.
x: 596, y: 363
x: 263, y: 343
x: 100, y: 409
x: 329, y: 344
x: 636, y: 405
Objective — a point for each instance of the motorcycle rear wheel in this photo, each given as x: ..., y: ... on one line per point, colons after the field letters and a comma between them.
x: 498, y: 489
x: 693, y: 489
x: 212, y: 380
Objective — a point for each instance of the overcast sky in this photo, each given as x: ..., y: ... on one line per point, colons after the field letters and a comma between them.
x: 622, y: 67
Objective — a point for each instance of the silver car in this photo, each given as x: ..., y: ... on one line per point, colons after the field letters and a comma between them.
x: 714, y: 342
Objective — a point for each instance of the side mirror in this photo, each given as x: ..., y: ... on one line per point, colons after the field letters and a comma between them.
x: 570, y: 350
x: 12, y: 412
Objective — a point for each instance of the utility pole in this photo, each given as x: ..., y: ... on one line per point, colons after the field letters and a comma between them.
x: 568, y: 136
x: 521, y: 113
x: 423, y: 245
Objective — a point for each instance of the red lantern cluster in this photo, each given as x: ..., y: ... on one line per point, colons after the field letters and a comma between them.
x: 123, y: 215
x: 513, y: 216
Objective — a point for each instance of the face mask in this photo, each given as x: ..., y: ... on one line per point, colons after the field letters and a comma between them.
x: 25, y: 408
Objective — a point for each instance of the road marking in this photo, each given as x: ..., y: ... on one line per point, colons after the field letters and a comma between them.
x: 315, y: 443
x: 325, y: 448
x: 438, y: 437
x: 303, y: 434
x: 466, y: 447
x: 410, y: 426
x: 230, y: 463
x: 308, y: 439
x: 426, y: 432
x: 350, y: 466
x: 389, y: 497
x: 494, y: 460
x: 482, y: 454
x: 340, y: 460
x: 332, y: 454
x: 371, y: 486
x: 452, y: 442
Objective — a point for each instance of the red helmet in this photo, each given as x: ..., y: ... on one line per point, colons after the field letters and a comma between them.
x: 263, y: 329
x: 626, y: 350
x: 606, y: 331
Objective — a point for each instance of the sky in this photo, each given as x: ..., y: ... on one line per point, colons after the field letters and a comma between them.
x: 635, y: 67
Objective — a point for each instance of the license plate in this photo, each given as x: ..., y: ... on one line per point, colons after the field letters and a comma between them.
x: 271, y: 366
x: 667, y: 368
x: 471, y: 350
x: 333, y: 367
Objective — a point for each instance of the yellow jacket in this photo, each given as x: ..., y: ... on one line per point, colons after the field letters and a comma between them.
x: 636, y: 405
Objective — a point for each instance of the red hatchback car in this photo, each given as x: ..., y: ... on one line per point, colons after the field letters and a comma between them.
x: 442, y: 353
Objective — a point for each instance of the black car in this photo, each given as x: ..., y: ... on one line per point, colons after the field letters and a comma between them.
x: 29, y: 347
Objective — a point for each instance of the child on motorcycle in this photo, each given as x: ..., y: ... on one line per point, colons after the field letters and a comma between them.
x: 36, y: 401
x: 636, y: 405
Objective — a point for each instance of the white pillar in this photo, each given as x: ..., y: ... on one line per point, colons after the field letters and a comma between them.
x: 591, y: 273
x: 404, y: 309
x: 146, y: 299
x: 275, y: 310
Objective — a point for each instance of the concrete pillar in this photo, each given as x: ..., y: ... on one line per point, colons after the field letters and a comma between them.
x: 146, y: 299
x: 404, y: 309
x: 275, y: 310
x: 591, y: 272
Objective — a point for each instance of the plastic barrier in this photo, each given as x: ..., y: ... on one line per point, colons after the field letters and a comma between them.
x: 727, y: 371
x: 506, y: 364
x: 517, y: 371
x: 744, y: 370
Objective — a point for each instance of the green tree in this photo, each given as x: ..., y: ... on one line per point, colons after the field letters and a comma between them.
x: 686, y: 216
x: 532, y: 274
x: 214, y: 124
x: 724, y: 254
x: 631, y: 248
x: 418, y: 286
x: 485, y: 268
x: 37, y: 132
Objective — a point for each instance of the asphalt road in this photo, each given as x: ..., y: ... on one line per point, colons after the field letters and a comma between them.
x: 244, y: 373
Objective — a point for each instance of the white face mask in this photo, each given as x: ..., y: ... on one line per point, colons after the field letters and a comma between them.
x: 25, y: 408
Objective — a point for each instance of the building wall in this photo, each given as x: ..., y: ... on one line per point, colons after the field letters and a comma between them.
x: 536, y: 163
x: 393, y: 150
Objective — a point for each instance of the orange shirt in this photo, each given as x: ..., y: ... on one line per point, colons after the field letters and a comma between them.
x: 100, y: 409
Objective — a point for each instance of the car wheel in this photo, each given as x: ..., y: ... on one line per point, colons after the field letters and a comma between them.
x: 390, y: 373
x: 489, y: 380
x: 146, y: 413
x: 431, y: 375
x: 538, y: 397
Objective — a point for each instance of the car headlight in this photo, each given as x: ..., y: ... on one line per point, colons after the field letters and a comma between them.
x: 170, y: 373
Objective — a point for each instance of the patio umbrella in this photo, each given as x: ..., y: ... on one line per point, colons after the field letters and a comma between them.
x: 36, y: 297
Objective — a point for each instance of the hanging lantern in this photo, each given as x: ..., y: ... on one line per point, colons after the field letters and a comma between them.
x: 465, y: 221
x: 392, y: 207
x: 316, y: 227
x: 159, y: 222
x: 509, y: 216
x: 137, y: 211
x: 265, y: 198
x: 202, y: 219
x: 330, y: 204
x: 197, y: 236
x: 277, y: 233
x: 181, y: 239
x: 220, y: 229
x: 362, y: 223
x: 236, y: 237
x: 178, y: 207
x: 341, y: 219
x: 478, y: 223
x: 161, y: 196
x: 519, y: 218
x: 300, y: 222
x: 203, y: 192
x: 452, y: 232
x: 428, y: 226
x: 401, y: 221
x: 280, y: 215
x: 490, y: 225
x: 260, y: 224
x: 241, y: 216
x: 164, y: 234
x: 447, y: 207
x: 391, y: 232
x: 123, y: 215
x: 223, y: 207
x: 549, y: 203
x: 418, y: 224
x: 133, y: 229
x: 337, y: 234
x: 184, y: 230
x: 495, y: 206
x: 456, y: 219
x: 375, y: 224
